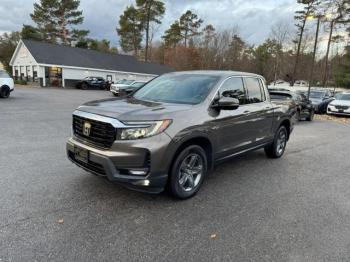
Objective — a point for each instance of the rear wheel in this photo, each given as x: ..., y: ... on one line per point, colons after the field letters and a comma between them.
x: 4, y: 92
x: 277, y: 148
x: 188, y: 171
x: 84, y: 86
x: 311, y: 116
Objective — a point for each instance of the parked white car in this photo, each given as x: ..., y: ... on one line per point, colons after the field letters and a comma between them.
x: 124, y: 87
x: 115, y: 87
x: 341, y: 105
x: 6, y: 84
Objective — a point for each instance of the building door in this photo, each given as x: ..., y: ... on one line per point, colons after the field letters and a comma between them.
x: 55, y: 76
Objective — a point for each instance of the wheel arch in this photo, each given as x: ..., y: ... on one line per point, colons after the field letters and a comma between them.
x: 200, y: 140
x: 287, y: 124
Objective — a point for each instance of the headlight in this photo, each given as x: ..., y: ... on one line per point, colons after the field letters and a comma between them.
x: 139, y: 130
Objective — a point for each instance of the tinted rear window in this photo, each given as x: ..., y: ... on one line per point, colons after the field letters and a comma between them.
x: 280, y: 97
x: 254, y: 90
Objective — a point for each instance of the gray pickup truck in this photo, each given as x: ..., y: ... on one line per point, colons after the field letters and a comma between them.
x: 173, y: 130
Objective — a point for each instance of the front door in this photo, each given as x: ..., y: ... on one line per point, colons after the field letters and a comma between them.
x: 231, y: 125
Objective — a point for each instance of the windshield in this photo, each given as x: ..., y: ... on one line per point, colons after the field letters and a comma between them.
x: 137, y: 84
x: 178, y: 89
x: 344, y: 97
x: 316, y: 94
x: 125, y: 82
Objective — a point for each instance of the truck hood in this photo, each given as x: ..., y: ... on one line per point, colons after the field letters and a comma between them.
x: 131, y: 109
x: 340, y: 103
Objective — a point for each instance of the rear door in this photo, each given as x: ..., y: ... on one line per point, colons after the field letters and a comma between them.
x: 259, y: 111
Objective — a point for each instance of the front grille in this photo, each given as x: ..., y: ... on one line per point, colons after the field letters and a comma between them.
x: 101, y: 134
x: 92, y: 166
x: 342, y: 107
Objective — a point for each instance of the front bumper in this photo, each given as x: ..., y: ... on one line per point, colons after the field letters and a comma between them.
x: 119, y: 162
x: 115, y: 92
x: 334, y: 111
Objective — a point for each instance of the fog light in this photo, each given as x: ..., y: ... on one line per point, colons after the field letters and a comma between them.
x: 145, y: 182
x: 138, y: 172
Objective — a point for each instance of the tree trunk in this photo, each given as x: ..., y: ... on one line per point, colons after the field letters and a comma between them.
x: 325, y: 74
x: 147, y: 32
x: 314, y: 57
x: 63, y: 29
x: 298, y: 52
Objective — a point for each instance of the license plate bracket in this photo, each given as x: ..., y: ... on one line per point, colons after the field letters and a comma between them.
x: 81, y: 154
x: 341, y: 111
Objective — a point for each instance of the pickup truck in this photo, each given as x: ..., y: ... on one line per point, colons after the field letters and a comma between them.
x: 173, y: 130
x: 6, y: 84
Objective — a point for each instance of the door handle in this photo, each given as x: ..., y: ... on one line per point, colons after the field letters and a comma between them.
x: 246, y: 112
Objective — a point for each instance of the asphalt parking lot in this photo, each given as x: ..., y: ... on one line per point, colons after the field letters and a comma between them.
x: 249, y: 209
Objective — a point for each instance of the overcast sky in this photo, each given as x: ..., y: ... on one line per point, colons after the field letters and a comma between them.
x: 254, y: 18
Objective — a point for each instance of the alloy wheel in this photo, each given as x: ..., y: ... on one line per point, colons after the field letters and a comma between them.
x: 191, y: 171
x: 281, y: 142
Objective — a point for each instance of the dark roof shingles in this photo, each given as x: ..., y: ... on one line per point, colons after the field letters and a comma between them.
x: 46, y: 53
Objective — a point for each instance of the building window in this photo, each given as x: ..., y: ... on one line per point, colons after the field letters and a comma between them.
x: 16, y: 73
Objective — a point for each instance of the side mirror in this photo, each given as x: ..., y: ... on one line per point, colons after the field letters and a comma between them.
x: 227, y: 103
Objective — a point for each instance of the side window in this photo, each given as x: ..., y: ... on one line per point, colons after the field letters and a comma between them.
x: 262, y: 88
x: 233, y: 87
x: 254, y: 90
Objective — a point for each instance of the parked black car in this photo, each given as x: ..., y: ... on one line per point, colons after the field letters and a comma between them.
x: 303, y: 107
x: 92, y: 82
x: 320, y: 99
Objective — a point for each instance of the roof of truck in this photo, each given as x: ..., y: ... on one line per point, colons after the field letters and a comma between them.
x: 222, y: 73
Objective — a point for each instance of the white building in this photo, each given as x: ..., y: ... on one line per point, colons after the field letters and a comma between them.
x: 59, y: 65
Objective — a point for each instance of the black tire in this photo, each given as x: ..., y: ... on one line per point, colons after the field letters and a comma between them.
x: 84, y: 86
x: 179, y: 189
x: 4, y: 92
x: 276, y: 149
x: 297, y: 115
x: 311, y: 116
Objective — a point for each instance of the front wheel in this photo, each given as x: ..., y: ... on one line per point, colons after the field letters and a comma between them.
x: 188, y: 171
x: 277, y: 148
x: 4, y: 92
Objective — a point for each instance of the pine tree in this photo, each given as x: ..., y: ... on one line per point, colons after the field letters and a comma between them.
x: 149, y: 11
x: 301, y: 17
x: 56, y: 19
x: 43, y: 16
x: 342, y: 74
x: 30, y: 32
x: 339, y: 11
x: 189, y: 24
x: 8, y: 44
x: 172, y: 36
x: 129, y: 30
